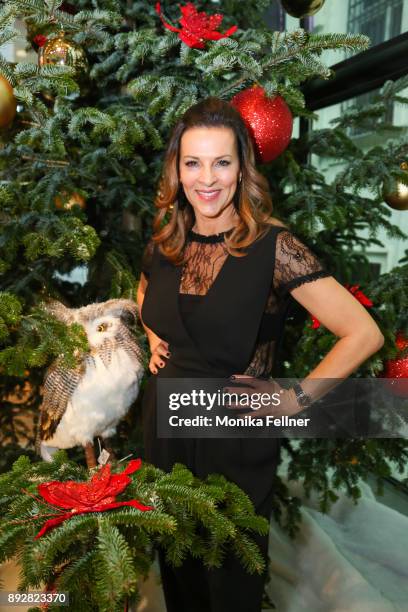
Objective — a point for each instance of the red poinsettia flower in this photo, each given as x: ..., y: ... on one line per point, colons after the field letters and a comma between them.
x: 40, y: 40
x: 96, y: 495
x: 358, y: 294
x: 197, y: 27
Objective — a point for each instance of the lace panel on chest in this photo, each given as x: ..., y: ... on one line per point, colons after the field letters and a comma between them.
x: 203, y: 264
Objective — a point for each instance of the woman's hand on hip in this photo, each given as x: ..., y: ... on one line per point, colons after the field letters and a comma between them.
x: 159, y: 354
x: 275, y: 400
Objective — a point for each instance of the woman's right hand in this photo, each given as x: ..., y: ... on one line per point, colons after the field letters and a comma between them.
x: 159, y: 353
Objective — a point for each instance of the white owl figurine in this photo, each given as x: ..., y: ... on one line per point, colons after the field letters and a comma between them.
x: 89, y: 400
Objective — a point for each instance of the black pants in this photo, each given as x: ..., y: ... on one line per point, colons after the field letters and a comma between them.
x: 194, y: 588
x: 251, y: 464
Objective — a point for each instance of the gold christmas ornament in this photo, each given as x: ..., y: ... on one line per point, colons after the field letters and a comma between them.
x: 65, y: 201
x: 61, y: 51
x: 302, y: 8
x: 398, y: 197
x: 353, y: 460
x: 8, y: 104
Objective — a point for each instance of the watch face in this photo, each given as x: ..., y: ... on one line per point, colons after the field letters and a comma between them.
x: 303, y: 399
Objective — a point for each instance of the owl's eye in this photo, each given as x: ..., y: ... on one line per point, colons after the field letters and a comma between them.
x: 102, y: 327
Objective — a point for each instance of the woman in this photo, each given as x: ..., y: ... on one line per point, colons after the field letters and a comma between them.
x: 213, y: 295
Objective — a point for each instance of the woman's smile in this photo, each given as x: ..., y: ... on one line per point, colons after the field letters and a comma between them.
x: 208, y: 196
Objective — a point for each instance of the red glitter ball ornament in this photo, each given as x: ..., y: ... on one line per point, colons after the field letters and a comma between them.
x: 396, y: 370
x: 268, y: 120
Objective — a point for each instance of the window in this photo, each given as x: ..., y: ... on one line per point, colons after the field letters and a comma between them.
x: 378, y: 19
x: 362, y: 101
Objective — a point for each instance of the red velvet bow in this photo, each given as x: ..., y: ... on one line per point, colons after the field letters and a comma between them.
x: 96, y: 495
x: 197, y: 27
x: 358, y: 294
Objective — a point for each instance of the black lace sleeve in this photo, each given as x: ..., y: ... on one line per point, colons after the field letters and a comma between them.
x: 295, y: 263
x: 147, y: 258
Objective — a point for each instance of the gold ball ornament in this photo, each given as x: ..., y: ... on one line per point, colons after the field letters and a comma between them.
x: 353, y: 460
x: 60, y: 51
x: 398, y: 198
x: 302, y: 8
x: 8, y: 103
x: 65, y: 201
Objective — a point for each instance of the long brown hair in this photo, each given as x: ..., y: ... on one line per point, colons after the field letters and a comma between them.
x: 252, y: 199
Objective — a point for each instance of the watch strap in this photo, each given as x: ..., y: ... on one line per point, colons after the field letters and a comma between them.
x: 304, y: 400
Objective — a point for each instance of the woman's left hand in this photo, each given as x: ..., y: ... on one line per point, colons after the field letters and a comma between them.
x: 275, y: 400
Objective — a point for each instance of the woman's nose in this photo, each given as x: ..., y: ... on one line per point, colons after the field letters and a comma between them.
x: 207, y: 176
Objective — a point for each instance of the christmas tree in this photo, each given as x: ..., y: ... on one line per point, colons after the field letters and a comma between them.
x: 82, y: 136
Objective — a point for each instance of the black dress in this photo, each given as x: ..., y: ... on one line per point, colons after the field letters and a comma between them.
x: 221, y: 315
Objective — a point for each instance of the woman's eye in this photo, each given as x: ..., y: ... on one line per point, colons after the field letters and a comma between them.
x: 190, y: 163
x: 224, y: 162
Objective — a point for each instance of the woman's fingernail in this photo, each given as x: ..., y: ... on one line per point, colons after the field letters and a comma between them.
x: 161, y: 364
x: 167, y: 354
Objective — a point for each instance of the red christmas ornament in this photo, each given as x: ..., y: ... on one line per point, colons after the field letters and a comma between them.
x: 196, y: 27
x: 396, y: 370
x: 358, y: 294
x: 97, y: 495
x: 268, y: 120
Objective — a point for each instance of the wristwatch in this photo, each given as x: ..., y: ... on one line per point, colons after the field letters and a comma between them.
x: 304, y: 400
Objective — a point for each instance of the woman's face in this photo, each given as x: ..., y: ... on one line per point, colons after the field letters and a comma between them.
x: 209, y: 169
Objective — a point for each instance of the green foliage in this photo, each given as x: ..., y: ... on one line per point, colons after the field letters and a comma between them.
x: 10, y: 313
x: 40, y: 339
x: 101, y: 557
x: 327, y: 466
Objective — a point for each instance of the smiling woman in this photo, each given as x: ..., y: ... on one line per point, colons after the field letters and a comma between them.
x: 209, y: 174
x: 213, y: 297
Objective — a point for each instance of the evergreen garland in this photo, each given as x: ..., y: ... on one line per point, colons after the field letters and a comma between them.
x: 100, y: 558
